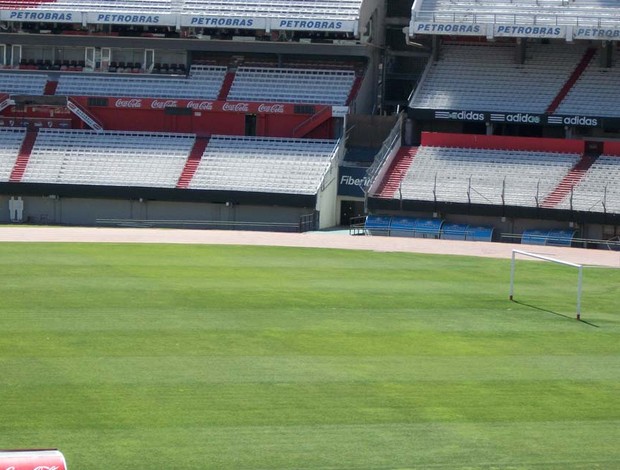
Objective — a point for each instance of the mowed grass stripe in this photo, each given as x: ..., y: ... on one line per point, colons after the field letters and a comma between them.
x: 280, y: 404
x: 305, y: 369
x: 507, y: 446
x: 240, y: 357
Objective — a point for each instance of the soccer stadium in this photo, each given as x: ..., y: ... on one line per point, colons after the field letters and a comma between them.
x: 309, y: 234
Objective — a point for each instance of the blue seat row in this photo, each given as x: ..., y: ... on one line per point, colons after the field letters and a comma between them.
x: 414, y: 227
x: 555, y: 237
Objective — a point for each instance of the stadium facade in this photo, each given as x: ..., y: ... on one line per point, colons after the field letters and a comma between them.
x: 293, y: 115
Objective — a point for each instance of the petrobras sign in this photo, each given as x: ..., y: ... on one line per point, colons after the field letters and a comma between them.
x: 146, y: 19
x: 576, y: 120
x: 596, y: 33
x: 452, y: 29
x: 352, y: 181
x: 289, y: 24
x: 41, y: 16
x: 460, y: 116
x: 223, y: 22
x: 516, y: 31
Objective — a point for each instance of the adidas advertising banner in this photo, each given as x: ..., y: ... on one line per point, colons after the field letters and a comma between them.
x: 351, y: 181
x: 512, y: 118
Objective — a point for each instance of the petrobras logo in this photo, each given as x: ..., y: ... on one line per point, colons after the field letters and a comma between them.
x: 316, y: 25
x: 222, y: 22
x: 573, y: 121
x: 200, y: 105
x: 601, y: 33
x: 131, y: 19
x: 459, y: 115
x: 236, y: 107
x: 271, y: 108
x: 128, y: 103
x: 529, y: 31
x: 448, y: 28
x: 161, y: 104
x: 41, y: 16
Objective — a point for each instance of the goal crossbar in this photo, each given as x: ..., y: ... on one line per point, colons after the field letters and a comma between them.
x: 579, y: 268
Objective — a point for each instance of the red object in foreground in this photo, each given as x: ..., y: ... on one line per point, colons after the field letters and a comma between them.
x: 48, y: 459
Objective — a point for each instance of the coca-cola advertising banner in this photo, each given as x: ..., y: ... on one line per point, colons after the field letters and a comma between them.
x: 32, y: 460
x: 203, y: 105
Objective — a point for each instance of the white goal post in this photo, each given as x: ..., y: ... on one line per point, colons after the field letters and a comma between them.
x: 553, y: 260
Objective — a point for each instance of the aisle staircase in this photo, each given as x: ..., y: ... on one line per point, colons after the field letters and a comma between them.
x: 569, y: 181
x: 193, y: 160
x: 581, y: 67
x: 397, y: 171
x: 23, y: 156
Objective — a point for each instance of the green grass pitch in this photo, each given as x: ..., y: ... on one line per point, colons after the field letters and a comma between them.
x: 211, y: 357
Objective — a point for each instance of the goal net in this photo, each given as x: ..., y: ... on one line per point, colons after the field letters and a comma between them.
x: 577, y: 267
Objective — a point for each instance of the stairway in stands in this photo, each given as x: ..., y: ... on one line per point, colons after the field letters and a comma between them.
x: 581, y: 67
x: 50, y: 87
x: 357, y: 84
x: 569, y: 181
x: 226, y: 85
x: 191, y: 165
x: 397, y: 171
x: 23, y: 156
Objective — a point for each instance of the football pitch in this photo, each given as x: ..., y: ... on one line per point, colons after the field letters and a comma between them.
x: 232, y: 357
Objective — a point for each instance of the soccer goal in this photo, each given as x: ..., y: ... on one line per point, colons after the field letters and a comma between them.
x: 579, y: 268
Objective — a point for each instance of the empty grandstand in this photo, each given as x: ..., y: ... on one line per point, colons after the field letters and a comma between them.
x: 107, y: 158
x: 489, y: 79
x: 480, y: 114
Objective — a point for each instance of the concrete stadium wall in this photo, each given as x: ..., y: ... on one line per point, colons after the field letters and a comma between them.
x: 85, y: 212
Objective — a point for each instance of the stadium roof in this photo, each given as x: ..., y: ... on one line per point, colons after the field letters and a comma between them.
x: 563, y: 19
x: 296, y: 15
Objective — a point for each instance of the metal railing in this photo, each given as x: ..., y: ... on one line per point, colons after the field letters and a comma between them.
x: 383, y: 153
x: 612, y: 244
x: 537, y: 18
x: 306, y: 223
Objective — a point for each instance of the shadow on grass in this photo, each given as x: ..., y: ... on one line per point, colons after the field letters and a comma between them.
x: 540, y: 309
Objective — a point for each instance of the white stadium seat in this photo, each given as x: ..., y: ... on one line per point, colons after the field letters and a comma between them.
x: 204, y: 82
x: 108, y: 158
x: 260, y: 164
x: 19, y: 83
x: 481, y: 176
x: 291, y: 85
x: 486, y: 78
x: 10, y: 143
x: 598, y: 190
